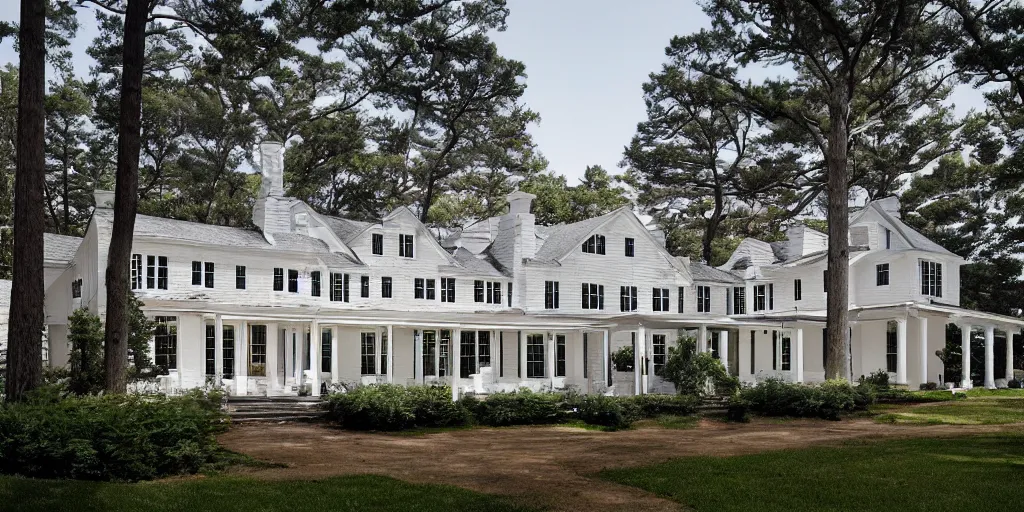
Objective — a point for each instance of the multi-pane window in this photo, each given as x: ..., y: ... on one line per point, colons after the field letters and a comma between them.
x: 891, y: 346
x: 161, y: 273
x: 165, y: 338
x: 594, y: 245
x: 197, y: 273
x: 136, y: 271
x: 739, y: 300
x: 325, y: 350
x: 593, y: 296
x: 431, y: 286
x: 798, y: 290
x: 763, y: 300
x: 682, y: 294
x: 258, y: 350
x: 208, y: 274
x: 368, y: 353
x: 405, y: 243
x: 703, y: 299
x: 478, y: 291
x: 448, y: 289
x: 467, y: 354
x: 559, y: 355
x: 659, y: 353
x: 293, y: 281
x: 786, y: 353
x: 314, y: 283
x: 278, y: 279
x: 419, y: 288
x: 337, y: 287
x: 660, y: 299
x: 931, y: 278
x: 385, y: 287
x: 550, y: 294
x: 534, y: 356
x: 483, y: 348
x: 429, y: 352
x: 630, y: 247
x: 229, y: 351
x: 377, y: 242
x: 384, y: 353
x: 495, y: 295
x: 882, y: 274
x: 211, y: 349
x: 240, y: 277
x: 627, y: 298
x: 364, y: 286
x: 76, y: 289
x: 150, y: 272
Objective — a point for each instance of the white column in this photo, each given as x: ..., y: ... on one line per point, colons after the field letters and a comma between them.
x: 289, y: 359
x: 391, y: 354
x: 314, y: 357
x: 605, y: 370
x: 799, y: 335
x: 456, y: 352
x: 990, y: 371
x: 965, y: 344
x: 218, y: 350
x: 922, y: 322
x: 1009, y: 355
x: 273, y: 349
x: 551, y: 360
x: 335, y: 356
x: 496, y: 355
x: 639, y: 363
x: 521, y: 340
x: 702, y: 339
x: 417, y: 354
x: 242, y: 359
x: 723, y: 349
x: 901, y: 351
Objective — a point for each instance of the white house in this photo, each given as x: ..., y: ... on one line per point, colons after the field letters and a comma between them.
x: 308, y: 301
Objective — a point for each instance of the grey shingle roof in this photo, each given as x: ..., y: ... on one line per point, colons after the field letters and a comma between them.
x: 914, y: 238
x: 474, y: 264
x: 562, y: 238
x: 702, y: 272
x: 60, y: 248
x: 346, y: 229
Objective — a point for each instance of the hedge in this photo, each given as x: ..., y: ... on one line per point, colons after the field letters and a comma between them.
x: 775, y: 397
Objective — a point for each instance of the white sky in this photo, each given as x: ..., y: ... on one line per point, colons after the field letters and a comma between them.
x: 586, y: 61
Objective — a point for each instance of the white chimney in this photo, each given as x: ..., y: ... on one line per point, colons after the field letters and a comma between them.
x: 272, y: 169
x: 272, y: 211
x: 520, y: 202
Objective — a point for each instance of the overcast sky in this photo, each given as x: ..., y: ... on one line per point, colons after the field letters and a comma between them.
x: 585, y: 59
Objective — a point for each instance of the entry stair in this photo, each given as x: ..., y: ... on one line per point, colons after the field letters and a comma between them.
x: 273, y: 409
x: 713, y: 405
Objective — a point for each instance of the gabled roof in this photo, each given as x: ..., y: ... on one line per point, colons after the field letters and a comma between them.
x: 751, y: 252
x: 474, y: 264
x: 346, y: 229
x: 707, y: 273
x: 560, y: 239
x: 60, y: 249
x: 913, y: 238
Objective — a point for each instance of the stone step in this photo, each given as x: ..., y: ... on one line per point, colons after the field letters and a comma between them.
x: 276, y: 419
x: 273, y: 414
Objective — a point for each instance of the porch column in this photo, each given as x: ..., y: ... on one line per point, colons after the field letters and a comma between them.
x: 990, y: 371
x: 1009, y: 356
x: 606, y: 369
x: 496, y: 355
x: 922, y: 322
x: 315, y: 341
x: 551, y: 360
x: 523, y: 375
x: 639, y: 361
x: 723, y: 349
x: 799, y: 354
x: 391, y: 354
x: 965, y: 354
x: 456, y: 369
x: 417, y: 354
x: 242, y: 358
x: 901, y: 351
x: 702, y: 339
x: 218, y: 350
x: 335, y: 357
x: 273, y: 347
x: 289, y: 355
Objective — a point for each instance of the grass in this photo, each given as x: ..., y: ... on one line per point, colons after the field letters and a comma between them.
x: 994, y: 410
x: 350, y: 493
x: 969, y: 473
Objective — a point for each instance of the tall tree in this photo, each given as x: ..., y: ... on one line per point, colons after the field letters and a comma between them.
x: 557, y: 202
x: 849, y: 64
x: 25, y: 336
x: 68, y: 185
x: 8, y: 141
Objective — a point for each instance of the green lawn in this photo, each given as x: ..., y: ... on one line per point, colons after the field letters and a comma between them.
x: 929, y: 475
x: 982, y: 407
x: 222, y: 493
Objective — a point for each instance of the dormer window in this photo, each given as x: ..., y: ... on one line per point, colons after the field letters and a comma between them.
x: 377, y: 244
x: 594, y: 245
x: 764, y: 299
x: 405, y: 246
x: 931, y: 278
x: 630, y: 247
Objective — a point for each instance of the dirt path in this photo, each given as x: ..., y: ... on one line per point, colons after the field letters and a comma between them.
x: 550, y: 467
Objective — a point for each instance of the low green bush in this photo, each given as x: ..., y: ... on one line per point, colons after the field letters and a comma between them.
x: 605, y: 411
x: 879, y: 379
x: 432, y: 407
x: 378, y: 407
x: 928, y: 386
x: 522, y: 407
x: 652, y: 406
x: 124, y: 438
x: 828, y: 400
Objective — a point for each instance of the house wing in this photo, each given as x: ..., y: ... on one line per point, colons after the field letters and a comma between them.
x: 405, y: 216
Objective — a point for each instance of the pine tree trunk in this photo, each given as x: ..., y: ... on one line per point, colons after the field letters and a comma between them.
x: 711, y: 231
x: 837, y: 283
x: 126, y: 200
x: 24, y: 335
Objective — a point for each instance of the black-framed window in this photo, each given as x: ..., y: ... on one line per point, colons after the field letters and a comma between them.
x: 76, y: 289
x: 510, y: 295
x: 534, y: 356
x: 593, y: 296
x: 419, y: 288
x: 211, y: 349
x: 431, y: 286
x: 405, y: 246
x: 659, y: 353
x: 594, y: 245
x: 495, y: 296
x: 739, y: 300
x: 550, y: 294
x: 931, y: 278
x: 325, y: 350
x: 228, y: 350
x: 660, y: 299
x: 314, y: 283
x: 478, y: 291
x: 483, y: 348
x: 208, y: 274
x: 385, y: 287
x: 165, y: 341
x: 161, y: 272
x: 798, y: 290
x: 377, y: 244
x: 467, y: 354
x: 364, y: 286
x: 559, y: 355
x: 197, y: 273
x: 703, y: 299
x: 367, y: 353
x: 150, y: 272
x: 682, y: 297
x: 891, y: 346
x: 278, y: 279
x: 383, y: 353
x: 630, y: 247
x: 337, y: 291
x: 763, y: 297
x: 293, y: 281
x: 786, y: 353
x: 627, y: 298
x: 136, y: 271
x: 429, y: 351
x: 448, y: 289
x: 882, y: 274
x: 258, y: 350
x: 240, y: 277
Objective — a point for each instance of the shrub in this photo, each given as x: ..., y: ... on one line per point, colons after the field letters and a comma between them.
x: 692, y: 372
x: 432, y: 406
x: 623, y: 359
x: 1013, y: 384
x: 828, y: 400
x: 123, y: 438
x: 376, y: 407
x: 929, y: 386
x: 522, y: 407
x: 603, y: 410
x: 651, y: 406
x: 879, y: 379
